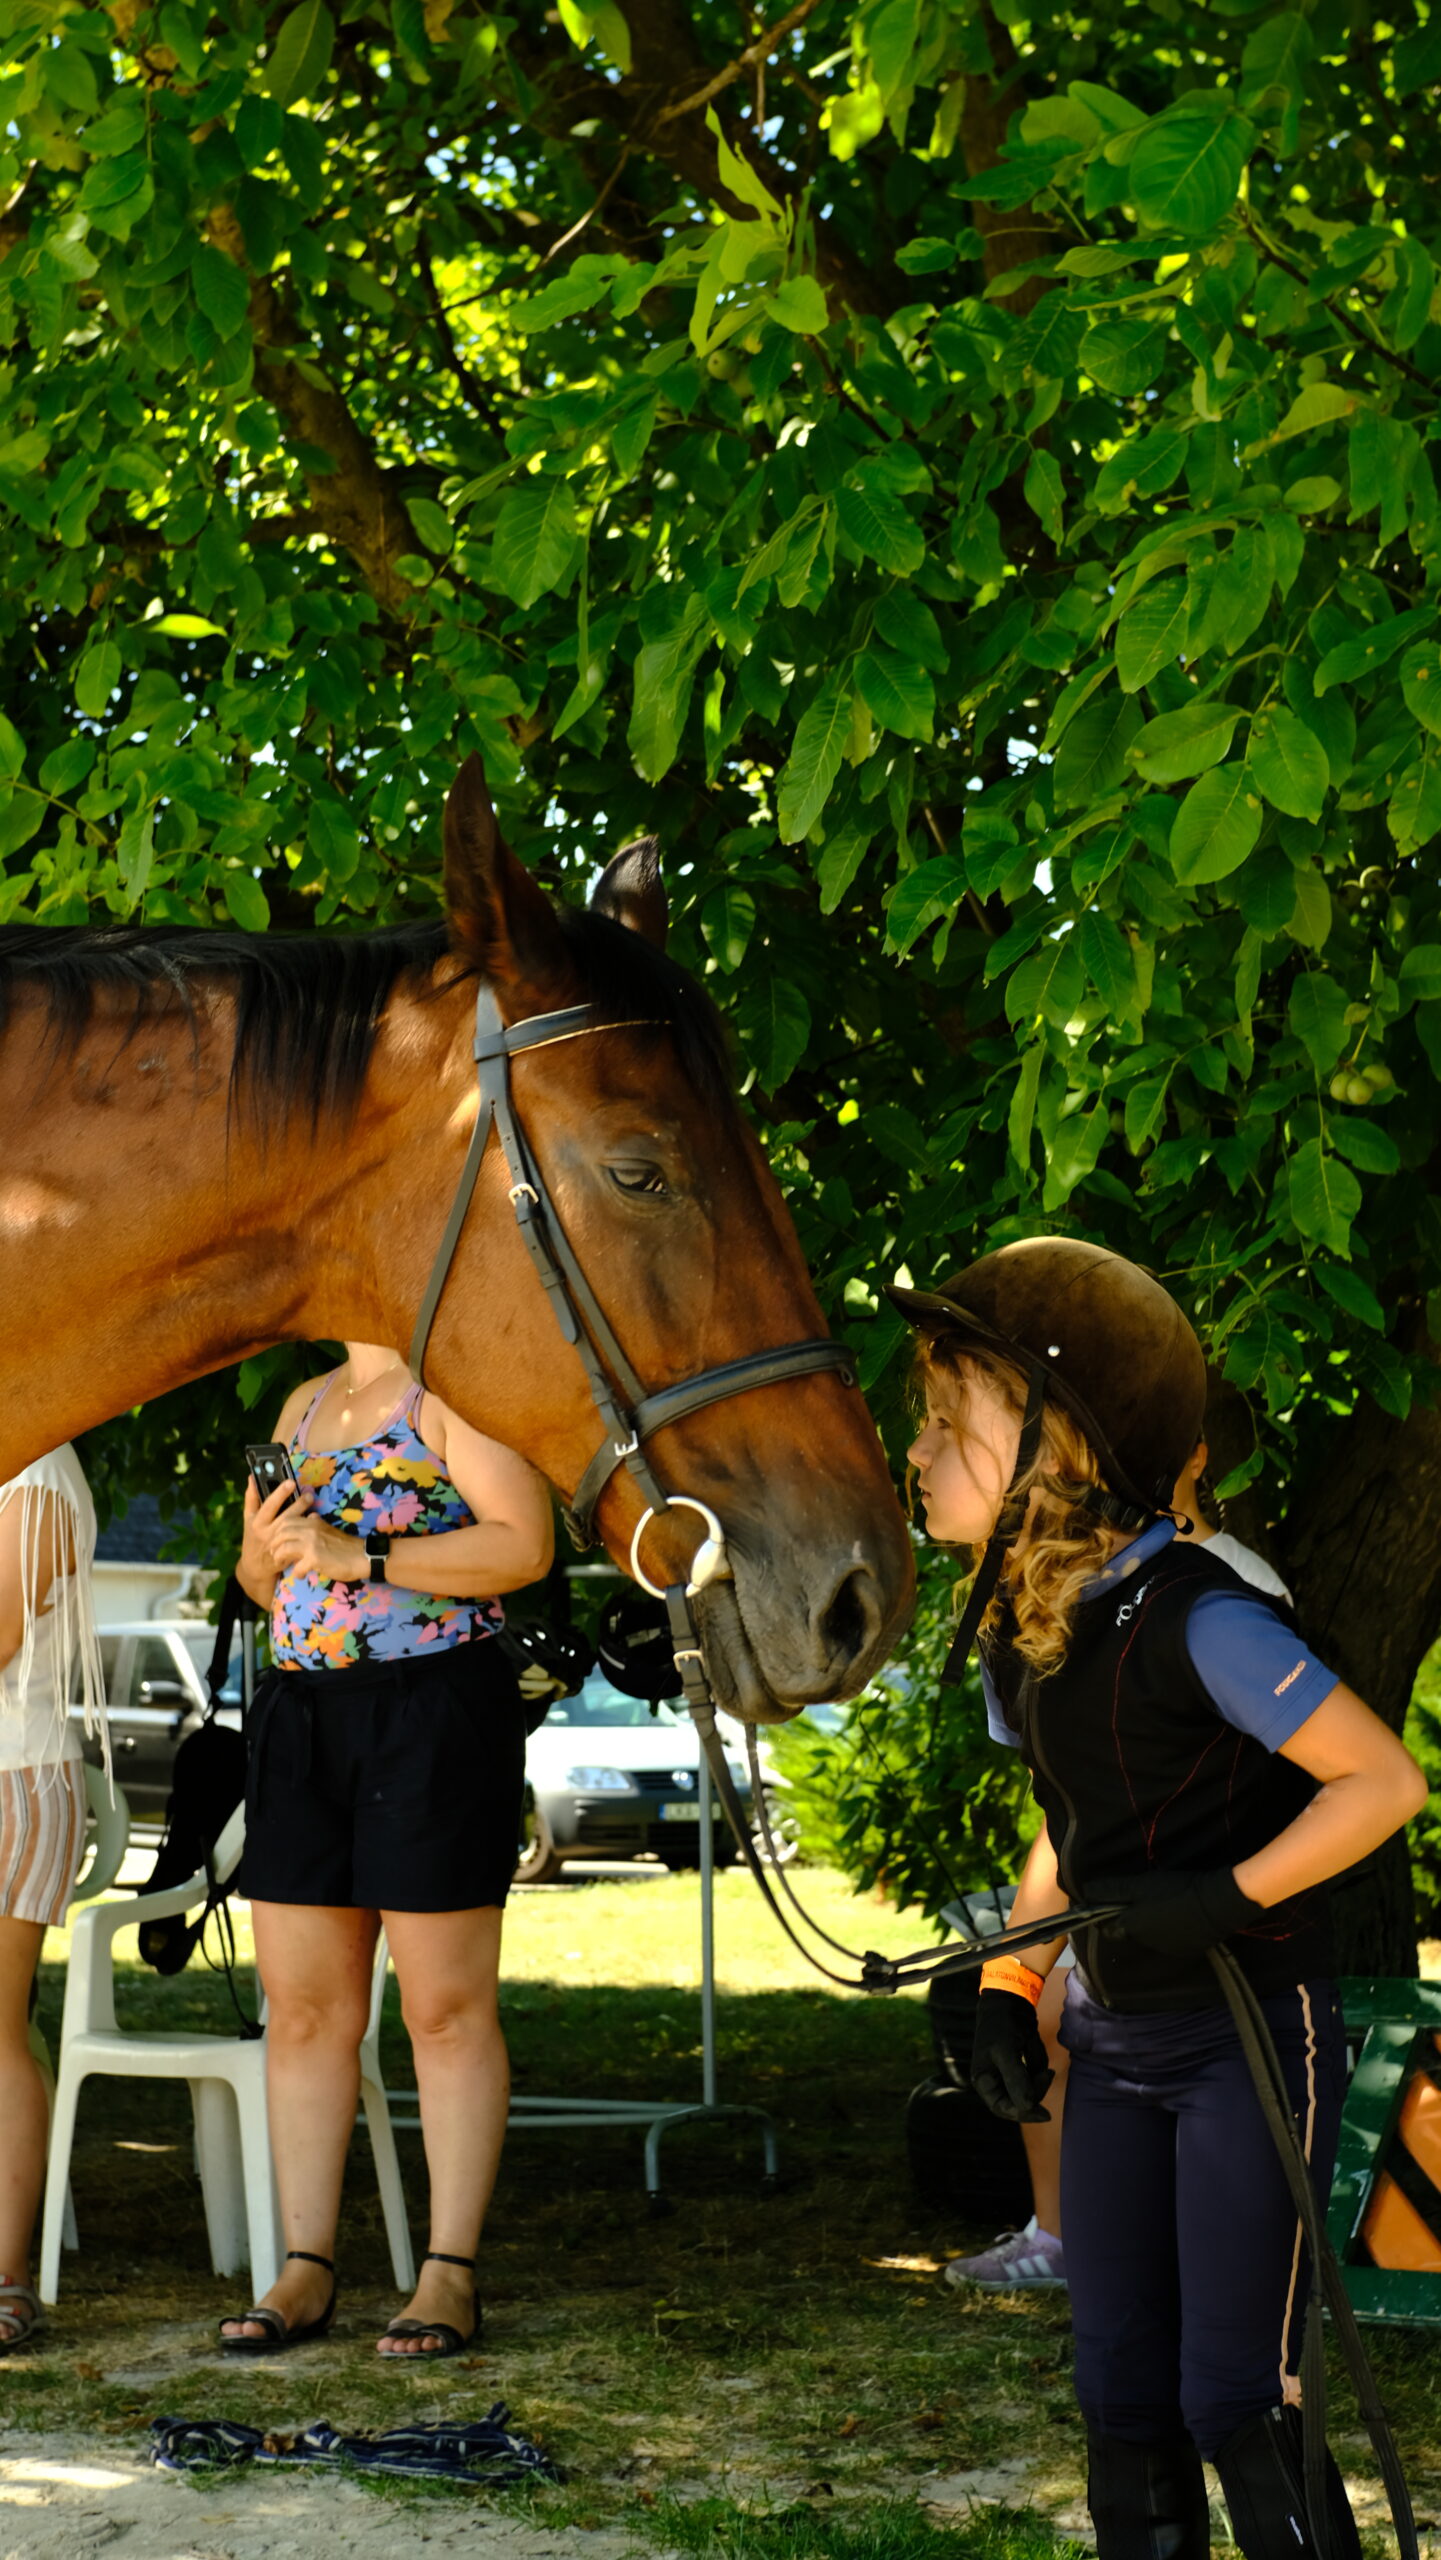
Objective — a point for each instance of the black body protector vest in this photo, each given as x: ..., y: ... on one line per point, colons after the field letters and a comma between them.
x: 1136, y: 1769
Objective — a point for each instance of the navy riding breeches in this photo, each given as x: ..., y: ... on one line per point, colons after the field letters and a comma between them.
x: 1183, y: 2253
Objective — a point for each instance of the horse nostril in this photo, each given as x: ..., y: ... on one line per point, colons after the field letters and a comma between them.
x: 851, y: 1617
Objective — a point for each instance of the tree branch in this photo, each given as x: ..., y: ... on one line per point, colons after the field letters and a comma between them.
x: 752, y: 59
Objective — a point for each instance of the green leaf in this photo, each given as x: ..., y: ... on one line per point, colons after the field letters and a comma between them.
x: 1420, y: 971
x: 1407, y: 307
x: 1288, y: 764
x: 815, y: 761
x: 1091, y: 759
x: 1144, y: 466
x: 1051, y: 983
x: 1310, y: 917
x: 840, y: 859
x: 1042, y: 490
x: 737, y: 176
x: 1152, y: 634
x: 1350, y: 660
x: 1414, y: 812
x: 1216, y: 827
x: 664, y: 676
x: 775, y: 1024
x: 922, y: 897
x: 135, y: 851
x: 121, y: 128
x: 1186, y: 169
x: 220, y: 288
x: 799, y: 304
x: 728, y: 920
x: 1184, y: 742
x: 1276, y: 57
x: 300, y: 55
x: 12, y: 750
x: 1350, y: 1291
x: 432, y: 524
x: 96, y: 678
x: 247, y: 901
x: 925, y: 256
x: 1146, y: 1108
x: 1364, y: 1143
x: 1421, y: 685
x: 900, y: 696
x: 906, y: 620
x: 1020, y: 1118
x: 1325, y: 1196
x: 1109, y: 966
x: 186, y: 626
x: 1317, y: 1015
x: 882, y: 530
x: 535, y: 539
x: 1321, y: 404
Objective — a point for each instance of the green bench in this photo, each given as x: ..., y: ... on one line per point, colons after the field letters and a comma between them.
x: 1392, y: 2018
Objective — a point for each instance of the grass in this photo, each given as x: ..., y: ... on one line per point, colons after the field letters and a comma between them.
x: 751, y: 2375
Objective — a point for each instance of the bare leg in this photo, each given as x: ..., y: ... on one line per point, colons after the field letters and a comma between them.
x: 23, y: 2109
x: 447, y: 1964
x: 315, y: 1962
x: 1043, y: 2141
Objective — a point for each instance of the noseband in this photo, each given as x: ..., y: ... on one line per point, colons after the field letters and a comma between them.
x: 629, y: 1416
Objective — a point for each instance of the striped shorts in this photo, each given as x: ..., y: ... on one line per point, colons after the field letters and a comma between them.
x: 42, y: 1837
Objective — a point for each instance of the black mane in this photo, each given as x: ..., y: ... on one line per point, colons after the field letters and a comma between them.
x: 308, y: 1005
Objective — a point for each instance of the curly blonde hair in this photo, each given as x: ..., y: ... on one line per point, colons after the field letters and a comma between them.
x: 1061, y: 1547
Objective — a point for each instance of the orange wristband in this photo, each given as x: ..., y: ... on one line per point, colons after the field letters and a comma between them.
x: 1003, y: 1973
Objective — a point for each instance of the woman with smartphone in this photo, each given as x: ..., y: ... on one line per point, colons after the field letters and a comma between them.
x: 386, y: 1770
x: 49, y: 1661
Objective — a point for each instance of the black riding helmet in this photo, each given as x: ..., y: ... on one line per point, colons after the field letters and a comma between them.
x: 1095, y: 1334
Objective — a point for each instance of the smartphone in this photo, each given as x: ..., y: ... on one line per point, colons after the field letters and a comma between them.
x: 270, y: 1467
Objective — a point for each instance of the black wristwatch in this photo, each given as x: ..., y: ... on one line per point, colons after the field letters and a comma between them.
x: 377, y: 1547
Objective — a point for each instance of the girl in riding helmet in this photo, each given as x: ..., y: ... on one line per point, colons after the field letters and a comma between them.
x: 1195, y: 1762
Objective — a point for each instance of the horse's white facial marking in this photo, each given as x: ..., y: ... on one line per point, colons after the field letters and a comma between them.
x: 26, y: 1205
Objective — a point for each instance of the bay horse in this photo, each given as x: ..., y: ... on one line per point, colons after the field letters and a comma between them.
x: 216, y: 1141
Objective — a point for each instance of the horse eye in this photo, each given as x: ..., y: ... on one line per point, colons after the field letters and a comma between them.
x: 637, y: 1178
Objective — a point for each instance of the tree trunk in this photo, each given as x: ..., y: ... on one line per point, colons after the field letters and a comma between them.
x: 1360, y: 1545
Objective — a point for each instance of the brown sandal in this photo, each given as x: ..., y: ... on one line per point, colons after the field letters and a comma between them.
x: 453, y: 2343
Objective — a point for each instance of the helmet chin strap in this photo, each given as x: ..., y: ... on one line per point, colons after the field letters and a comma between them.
x: 1009, y: 1522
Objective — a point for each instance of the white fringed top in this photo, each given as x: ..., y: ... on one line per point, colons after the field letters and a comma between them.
x: 58, y: 1664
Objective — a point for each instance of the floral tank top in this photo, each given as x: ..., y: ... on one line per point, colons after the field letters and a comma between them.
x: 394, y: 1484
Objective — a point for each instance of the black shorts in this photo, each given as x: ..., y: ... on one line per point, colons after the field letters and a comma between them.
x: 387, y: 1786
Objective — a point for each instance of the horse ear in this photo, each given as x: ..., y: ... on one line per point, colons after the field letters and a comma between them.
x: 500, y: 918
x: 630, y: 891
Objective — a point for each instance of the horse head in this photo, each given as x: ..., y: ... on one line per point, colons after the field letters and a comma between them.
x: 672, y: 1214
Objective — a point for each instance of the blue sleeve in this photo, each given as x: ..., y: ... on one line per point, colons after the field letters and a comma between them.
x: 1259, y: 1674
x: 996, y: 1724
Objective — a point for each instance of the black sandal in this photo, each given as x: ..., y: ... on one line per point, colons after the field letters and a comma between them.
x: 454, y: 2344
x: 279, y: 2334
x: 21, y: 2312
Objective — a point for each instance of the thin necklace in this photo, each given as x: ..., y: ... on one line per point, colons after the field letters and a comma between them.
x: 352, y: 1389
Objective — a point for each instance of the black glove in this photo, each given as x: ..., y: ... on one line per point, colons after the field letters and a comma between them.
x: 1008, y: 2060
x: 1176, y: 1915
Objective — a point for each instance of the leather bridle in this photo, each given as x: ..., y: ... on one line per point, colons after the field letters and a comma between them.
x: 629, y: 1415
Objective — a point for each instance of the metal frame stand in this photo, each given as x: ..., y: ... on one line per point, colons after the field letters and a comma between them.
x: 564, y: 2115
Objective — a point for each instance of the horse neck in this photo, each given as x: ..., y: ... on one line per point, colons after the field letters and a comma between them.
x: 149, y: 1233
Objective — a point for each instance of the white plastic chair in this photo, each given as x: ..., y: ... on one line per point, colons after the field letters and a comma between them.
x: 227, y: 2091
x: 107, y: 1837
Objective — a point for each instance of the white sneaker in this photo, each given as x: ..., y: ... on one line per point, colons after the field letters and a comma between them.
x: 1028, y: 2261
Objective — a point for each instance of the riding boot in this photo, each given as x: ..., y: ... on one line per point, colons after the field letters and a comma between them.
x: 1147, y: 2501
x: 1263, y: 2481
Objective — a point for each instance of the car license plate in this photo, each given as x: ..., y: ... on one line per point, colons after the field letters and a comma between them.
x: 685, y: 1812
